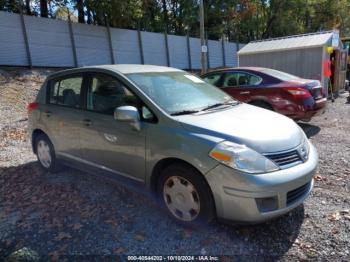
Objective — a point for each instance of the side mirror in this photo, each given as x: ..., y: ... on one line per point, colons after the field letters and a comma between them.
x: 128, y: 114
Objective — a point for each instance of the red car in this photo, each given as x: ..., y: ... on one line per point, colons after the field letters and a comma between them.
x: 297, y: 98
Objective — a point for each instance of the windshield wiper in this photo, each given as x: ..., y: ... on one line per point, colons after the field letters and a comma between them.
x: 184, y: 112
x: 220, y: 104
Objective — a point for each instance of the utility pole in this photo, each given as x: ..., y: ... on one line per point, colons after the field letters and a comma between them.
x: 204, y: 48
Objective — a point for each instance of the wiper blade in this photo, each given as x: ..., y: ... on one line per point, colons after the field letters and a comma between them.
x: 219, y: 104
x: 184, y: 112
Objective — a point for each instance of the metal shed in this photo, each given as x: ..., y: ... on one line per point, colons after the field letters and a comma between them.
x: 301, y: 55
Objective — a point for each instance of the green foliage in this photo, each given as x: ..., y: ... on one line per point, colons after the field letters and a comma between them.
x: 240, y: 20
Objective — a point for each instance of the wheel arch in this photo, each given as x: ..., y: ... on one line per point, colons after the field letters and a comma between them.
x: 260, y: 101
x: 36, y: 132
x: 162, y: 164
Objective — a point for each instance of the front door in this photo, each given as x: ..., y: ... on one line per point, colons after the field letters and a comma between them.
x: 106, y: 143
x: 241, y: 85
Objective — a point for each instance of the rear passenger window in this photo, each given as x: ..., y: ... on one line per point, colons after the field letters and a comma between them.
x: 66, y: 92
x: 106, y: 93
x: 248, y: 80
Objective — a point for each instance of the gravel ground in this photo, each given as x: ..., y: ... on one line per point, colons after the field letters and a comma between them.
x: 56, y: 216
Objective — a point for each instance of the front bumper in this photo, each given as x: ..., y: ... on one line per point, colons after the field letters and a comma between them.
x: 240, y: 197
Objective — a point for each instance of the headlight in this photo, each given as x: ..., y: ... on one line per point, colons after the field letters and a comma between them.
x: 242, y: 158
x: 304, y: 148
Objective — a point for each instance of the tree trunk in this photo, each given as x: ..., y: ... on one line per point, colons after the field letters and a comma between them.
x: 165, y: 15
x: 89, y: 18
x: 80, y: 8
x: 44, y: 12
x: 28, y: 10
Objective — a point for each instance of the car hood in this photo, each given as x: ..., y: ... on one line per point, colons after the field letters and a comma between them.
x: 260, y: 129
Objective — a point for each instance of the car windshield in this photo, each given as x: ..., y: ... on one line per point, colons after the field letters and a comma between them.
x: 179, y: 92
x: 280, y: 75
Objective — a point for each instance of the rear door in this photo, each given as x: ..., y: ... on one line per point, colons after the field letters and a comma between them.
x: 106, y: 143
x: 62, y: 114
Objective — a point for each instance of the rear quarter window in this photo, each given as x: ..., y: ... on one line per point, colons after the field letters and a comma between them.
x: 66, y: 91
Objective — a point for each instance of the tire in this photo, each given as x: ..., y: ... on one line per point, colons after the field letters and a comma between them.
x: 46, y: 154
x: 262, y: 104
x: 185, y: 195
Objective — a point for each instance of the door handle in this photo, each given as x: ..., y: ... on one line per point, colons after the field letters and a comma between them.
x: 86, y: 122
x: 48, y: 113
x: 244, y: 92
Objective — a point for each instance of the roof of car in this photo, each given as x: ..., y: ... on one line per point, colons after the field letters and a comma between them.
x: 134, y: 68
x: 120, y: 68
x: 223, y: 69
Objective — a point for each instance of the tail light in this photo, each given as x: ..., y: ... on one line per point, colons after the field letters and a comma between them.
x: 298, y: 92
x: 31, y: 107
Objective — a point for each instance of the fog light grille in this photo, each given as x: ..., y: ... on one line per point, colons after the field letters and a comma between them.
x: 266, y: 204
x: 297, y: 193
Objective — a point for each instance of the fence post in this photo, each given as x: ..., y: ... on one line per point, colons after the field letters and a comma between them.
x: 223, y: 52
x: 25, y: 36
x: 110, y: 42
x: 166, y: 48
x: 206, y: 43
x: 140, y: 45
x: 72, y: 41
x: 189, y: 51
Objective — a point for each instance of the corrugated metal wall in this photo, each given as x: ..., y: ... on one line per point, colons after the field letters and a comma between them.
x: 306, y: 63
x: 91, y: 44
x: 125, y: 46
x: 46, y: 39
x: 178, y: 52
x: 12, y: 46
x: 154, y: 48
x: 51, y: 44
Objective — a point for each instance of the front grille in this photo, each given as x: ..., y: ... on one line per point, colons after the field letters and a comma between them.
x: 295, y: 194
x: 286, y: 159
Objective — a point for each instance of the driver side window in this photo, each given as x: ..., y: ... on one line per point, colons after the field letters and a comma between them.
x: 231, y: 80
x: 235, y: 79
x: 107, y: 93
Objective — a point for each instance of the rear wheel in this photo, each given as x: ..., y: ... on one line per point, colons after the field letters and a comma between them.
x: 185, y: 195
x: 46, y: 153
x: 262, y: 104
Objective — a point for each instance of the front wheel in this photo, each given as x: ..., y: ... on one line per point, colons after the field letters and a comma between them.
x: 46, y: 153
x: 185, y: 195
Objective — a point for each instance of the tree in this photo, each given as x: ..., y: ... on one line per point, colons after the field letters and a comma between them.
x: 27, y: 7
x: 236, y: 20
x: 44, y: 12
x: 80, y: 8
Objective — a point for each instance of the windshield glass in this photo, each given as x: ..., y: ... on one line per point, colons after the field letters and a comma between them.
x: 278, y: 74
x: 178, y: 92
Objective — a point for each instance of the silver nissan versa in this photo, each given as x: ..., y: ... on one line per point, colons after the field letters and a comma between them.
x: 202, y: 153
